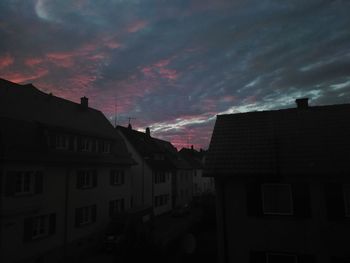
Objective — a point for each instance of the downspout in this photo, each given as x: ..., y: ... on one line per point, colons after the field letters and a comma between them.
x: 221, y: 212
x: 66, y: 204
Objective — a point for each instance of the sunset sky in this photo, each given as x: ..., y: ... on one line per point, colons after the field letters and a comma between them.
x: 173, y: 65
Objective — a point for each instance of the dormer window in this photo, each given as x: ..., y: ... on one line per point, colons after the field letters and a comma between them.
x: 86, y: 145
x: 61, y: 142
x: 159, y: 157
x: 106, y: 147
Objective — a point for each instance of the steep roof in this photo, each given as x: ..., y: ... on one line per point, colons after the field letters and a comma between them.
x: 193, y: 157
x: 26, y: 102
x: 148, y: 147
x: 25, y: 111
x: 309, y: 140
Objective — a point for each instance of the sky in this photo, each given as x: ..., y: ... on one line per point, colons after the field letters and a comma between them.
x: 173, y: 65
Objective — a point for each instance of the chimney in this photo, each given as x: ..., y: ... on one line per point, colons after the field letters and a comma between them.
x: 302, y: 103
x: 129, y: 127
x: 192, y: 147
x: 148, y: 132
x: 84, y: 101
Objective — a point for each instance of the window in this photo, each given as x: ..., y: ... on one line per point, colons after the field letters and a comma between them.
x: 160, y: 177
x: 277, y: 258
x: 117, y: 177
x: 159, y: 157
x: 277, y: 199
x: 24, y: 182
x: 39, y: 226
x: 106, y: 147
x: 61, y: 141
x: 85, y: 215
x: 86, y: 145
x: 346, y: 193
x: 86, y: 179
x: 116, y: 206
x: 161, y: 200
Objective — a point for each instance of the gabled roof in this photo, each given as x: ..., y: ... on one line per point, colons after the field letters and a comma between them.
x: 193, y: 157
x: 25, y: 112
x: 148, y: 147
x: 310, y: 140
x: 25, y: 102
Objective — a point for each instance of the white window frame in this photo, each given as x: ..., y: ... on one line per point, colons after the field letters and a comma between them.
x: 40, y: 226
x: 86, y: 177
x: 61, y: 142
x: 281, y: 254
x: 117, y: 177
x: 26, y: 180
x: 86, y: 145
x: 290, y: 195
x: 117, y: 205
x: 346, y: 196
x: 106, y: 147
x: 86, y: 215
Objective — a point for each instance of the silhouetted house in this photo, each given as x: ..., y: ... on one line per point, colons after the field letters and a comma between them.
x: 283, y: 185
x: 201, y: 185
x: 151, y: 177
x: 63, y: 174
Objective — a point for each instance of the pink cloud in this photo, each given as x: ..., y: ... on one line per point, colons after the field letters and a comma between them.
x: 6, y: 61
x: 21, y: 77
x: 33, y: 61
x: 136, y: 26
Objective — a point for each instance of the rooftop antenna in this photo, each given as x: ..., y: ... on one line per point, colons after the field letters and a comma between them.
x: 131, y: 118
x: 115, y: 113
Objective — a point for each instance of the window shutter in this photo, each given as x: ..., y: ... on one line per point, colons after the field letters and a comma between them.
x: 301, y: 200
x: 254, y: 199
x: 257, y: 257
x: 10, y: 183
x: 52, y: 141
x: 79, y: 179
x: 78, y: 217
x: 306, y: 258
x: 111, y: 212
x: 122, y: 205
x: 94, y: 178
x: 93, y: 213
x: 111, y: 177
x: 122, y: 176
x: 38, y: 180
x: 27, y: 229
x: 71, y: 143
x: 52, y: 224
x: 334, y: 201
x: 79, y: 141
x: 93, y: 146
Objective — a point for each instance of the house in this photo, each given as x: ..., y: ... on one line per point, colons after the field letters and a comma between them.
x: 201, y: 185
x: 151, y: 180
x: 282, y: 184
x: 64, y: 173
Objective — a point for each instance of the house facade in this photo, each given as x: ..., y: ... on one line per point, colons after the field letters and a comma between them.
x: 64, y: 173
x: 151, y: 177
x: 282, y: 184
x: 201, y: 185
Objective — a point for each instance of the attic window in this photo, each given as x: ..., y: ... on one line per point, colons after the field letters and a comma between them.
x: 61, y: 142
x: 159, y: 157
x: 106, y: 147
x: 277, y: 199
x: 86, y: 145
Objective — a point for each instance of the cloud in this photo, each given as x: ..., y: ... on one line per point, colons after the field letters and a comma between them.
x: 174, y: 65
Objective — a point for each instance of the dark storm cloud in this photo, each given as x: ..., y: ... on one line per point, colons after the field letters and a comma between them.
x: 174, y: 65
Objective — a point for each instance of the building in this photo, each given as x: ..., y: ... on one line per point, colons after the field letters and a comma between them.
x: 282, y: 184
x: 151, y: 180
x: 201, y: 185
x: 64, y: 172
